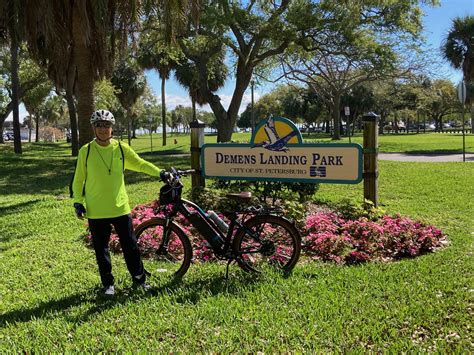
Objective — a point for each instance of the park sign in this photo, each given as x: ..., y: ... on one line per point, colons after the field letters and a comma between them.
x: 276, y: 152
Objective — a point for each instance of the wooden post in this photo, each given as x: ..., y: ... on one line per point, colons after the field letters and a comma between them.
x: 371, y: 150
x: 197, y: 140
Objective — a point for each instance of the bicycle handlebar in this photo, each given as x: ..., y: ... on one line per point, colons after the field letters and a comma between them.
x: 185, y: 172
x: 174, y: 174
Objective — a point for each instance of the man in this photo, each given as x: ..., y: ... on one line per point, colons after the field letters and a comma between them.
x: 98, y: 190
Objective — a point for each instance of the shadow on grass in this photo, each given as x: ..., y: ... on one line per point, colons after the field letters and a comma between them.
x: 17, y: 208
x: 189, y: 292
x: 26, y: 174
x: 50, y: 172
x: 434, y: 152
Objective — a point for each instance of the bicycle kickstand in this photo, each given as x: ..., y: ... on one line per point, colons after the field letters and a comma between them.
x: 227, y: 269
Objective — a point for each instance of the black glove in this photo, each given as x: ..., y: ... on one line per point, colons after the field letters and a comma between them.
x: 80, y: 210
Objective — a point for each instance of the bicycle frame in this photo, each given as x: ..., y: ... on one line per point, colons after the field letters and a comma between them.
x: 183, y: 206
x: 244, y: 223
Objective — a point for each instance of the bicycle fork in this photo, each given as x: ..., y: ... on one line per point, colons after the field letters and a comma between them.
x: 163, y: 249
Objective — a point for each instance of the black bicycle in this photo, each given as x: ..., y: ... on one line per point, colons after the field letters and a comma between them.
x: 256, y: 238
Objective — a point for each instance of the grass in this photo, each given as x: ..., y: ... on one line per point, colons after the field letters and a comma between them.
x: 48, y: 278
x: 388, y: 143
x: 412, y: 143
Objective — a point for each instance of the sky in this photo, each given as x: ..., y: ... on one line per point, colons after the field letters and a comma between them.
x: 437, y: 22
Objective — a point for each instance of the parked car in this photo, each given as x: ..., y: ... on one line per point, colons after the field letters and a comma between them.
x: 427, y: 126
x: 7, y: 136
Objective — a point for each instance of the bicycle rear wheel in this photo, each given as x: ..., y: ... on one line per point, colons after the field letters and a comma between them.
x: 172, y: 257
x: 267, y: 241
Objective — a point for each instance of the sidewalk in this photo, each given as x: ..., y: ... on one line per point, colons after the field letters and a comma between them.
x: 426, y: 157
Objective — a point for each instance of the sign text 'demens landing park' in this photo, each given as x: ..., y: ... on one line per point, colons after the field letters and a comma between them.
x: 277, y: 153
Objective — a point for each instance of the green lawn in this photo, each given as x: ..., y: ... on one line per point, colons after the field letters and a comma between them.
x: 389, y: 143
x: 48, y: 278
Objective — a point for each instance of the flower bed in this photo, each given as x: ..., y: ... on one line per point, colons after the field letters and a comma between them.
x: 326, y: 235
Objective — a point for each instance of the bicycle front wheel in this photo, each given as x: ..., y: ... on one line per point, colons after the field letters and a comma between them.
x: 267, y: 241
x: 171, y: 255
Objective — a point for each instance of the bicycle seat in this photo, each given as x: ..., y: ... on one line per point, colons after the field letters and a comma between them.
x: 244, y: 196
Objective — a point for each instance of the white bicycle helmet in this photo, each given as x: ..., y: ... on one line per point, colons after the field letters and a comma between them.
x: 102, y: 115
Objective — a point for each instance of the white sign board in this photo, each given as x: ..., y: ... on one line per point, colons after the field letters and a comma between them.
x: 277, y: 153
x: 461, y: 88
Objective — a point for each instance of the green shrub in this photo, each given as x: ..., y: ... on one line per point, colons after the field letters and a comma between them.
x: 269, y: 192
x: 349, y: 209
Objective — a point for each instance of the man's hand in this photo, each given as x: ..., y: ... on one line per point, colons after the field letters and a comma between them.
x: 80, y: 210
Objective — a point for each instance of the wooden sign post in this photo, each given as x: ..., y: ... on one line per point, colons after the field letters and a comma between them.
x: 370, y: 151
x: 197, y: 140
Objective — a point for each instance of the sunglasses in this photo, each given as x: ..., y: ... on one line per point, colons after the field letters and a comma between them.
x: 103, y: 124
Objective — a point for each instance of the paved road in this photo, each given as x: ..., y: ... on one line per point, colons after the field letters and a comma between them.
x: 426, y: 157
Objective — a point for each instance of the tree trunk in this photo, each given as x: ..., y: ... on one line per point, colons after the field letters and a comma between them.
x: 71, y: 105
x: 395, y: 122
x: 85, y: 78
x: 417, y: 122
x: 382, y: 122
x: 37, y: 128
x: 472, y: 118
x: 163, y: 108
x: 73, y: 122
x: 336, y: 116
x: 129, y: 126
x: 12, y: 27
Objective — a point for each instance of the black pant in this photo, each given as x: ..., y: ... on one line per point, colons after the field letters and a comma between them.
x: 100, y: 230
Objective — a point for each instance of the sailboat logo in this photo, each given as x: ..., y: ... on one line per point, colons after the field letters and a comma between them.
x: 275, y: 137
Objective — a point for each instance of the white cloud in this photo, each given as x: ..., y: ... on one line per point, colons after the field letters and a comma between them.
x: 174, y: 100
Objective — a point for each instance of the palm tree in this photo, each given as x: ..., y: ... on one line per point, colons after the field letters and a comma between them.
x: 10, y: 21
x: 154, y: 53
x: 458, y: 46
x: 131, y: 83
x: 90, y: 30
x: 33, y: 100
x: 187, y: 74
x: 458, y: 49
x: 69, y: 41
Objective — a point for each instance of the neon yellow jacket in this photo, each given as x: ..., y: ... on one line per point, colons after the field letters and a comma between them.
x: 105, y: 194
